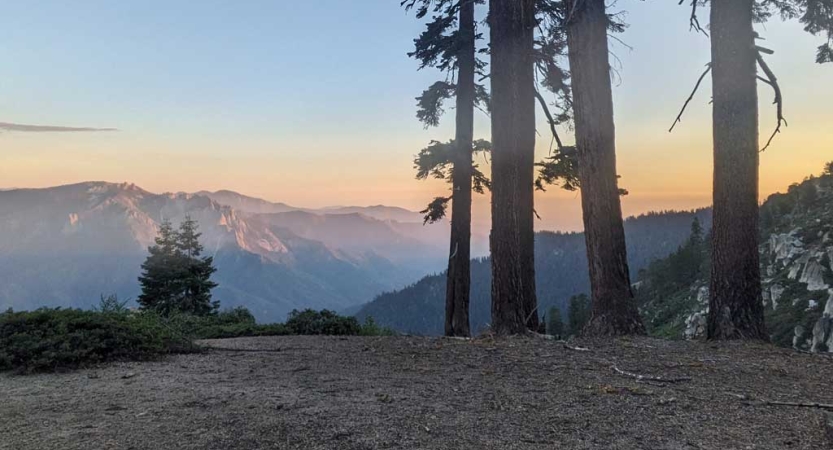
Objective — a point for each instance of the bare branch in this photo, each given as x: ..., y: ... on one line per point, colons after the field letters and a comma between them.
x: 764, y: 80
x: 764, y: 50
x: 694, y: 22
x: 779, y: 100
x: 550, y: 120
x: 690, y: 97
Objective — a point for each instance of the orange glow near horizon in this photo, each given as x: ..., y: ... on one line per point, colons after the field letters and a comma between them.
x: 657, y: 178
x: 257, y: 110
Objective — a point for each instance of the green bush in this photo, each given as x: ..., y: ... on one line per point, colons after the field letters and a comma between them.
x: 240, y: 323
x: 311, y: 322
x: 237, y: 322
x: 241, y: 330
x: 62, y: 339
x: 370, y: 328
x: 238, y: 315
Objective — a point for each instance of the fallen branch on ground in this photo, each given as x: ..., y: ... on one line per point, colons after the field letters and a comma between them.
x: 750, y: 400
x: 653, y: 378
x: 244, y: 350
x: 800, y: 404
x: 565, y: 344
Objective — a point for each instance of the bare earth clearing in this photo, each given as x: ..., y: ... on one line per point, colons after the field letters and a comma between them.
x: 425, y: 393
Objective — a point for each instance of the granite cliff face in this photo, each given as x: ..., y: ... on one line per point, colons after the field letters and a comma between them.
x: 65, y: 246
x: 797, y: 281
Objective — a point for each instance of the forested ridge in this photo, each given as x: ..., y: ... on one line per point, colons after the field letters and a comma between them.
x: 796, y: 251
x: 562, y: 264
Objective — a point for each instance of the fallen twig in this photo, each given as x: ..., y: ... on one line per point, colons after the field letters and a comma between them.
x: 800, y: 404
x: 245, y: 350
x: 751, y: 400
x: 653, y: 378
x: 564, y: 343
x: 574, y: 348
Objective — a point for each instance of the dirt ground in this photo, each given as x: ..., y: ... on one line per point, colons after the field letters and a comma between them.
x: 428, y: 393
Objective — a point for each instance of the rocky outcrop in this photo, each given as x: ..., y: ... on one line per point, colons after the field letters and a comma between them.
x: 775, y: 292
x: 785, y: 246
x: 813, y: 276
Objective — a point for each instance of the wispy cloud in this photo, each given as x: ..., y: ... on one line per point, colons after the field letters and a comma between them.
x: 6, y: 126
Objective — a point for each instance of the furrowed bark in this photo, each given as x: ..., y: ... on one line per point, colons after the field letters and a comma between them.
x: 735, y: 305
x: 512, y: 24
x: 614, y: 310
x: 458, y: 283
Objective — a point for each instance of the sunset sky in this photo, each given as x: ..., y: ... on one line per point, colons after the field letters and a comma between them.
x: 312, y: 103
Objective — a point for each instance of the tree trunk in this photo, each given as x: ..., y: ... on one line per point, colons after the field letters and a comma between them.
x: 613, y: 311
x: 735, y: 305
x: 458, y: 281
x: 514, y: 304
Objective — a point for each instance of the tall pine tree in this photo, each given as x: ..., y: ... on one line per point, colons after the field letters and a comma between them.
x: 175, y: 278
x: 614, y: 309
x: 449, y: 44
x: 735, y: 306
x: 514, y: 302
x: 196, y: 282
x: 161, y: 278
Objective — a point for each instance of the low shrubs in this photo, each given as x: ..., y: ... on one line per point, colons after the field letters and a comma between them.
x: 311, y: 322
x: 232, y: 323
x: 62, y: 339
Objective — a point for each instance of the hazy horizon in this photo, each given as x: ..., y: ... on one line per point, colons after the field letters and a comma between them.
x: 274, y: 100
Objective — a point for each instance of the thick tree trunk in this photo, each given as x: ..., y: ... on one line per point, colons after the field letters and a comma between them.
x: 614, y: 310
x: 458, y: 281
x: 735, y: 306
x: 514, y: 305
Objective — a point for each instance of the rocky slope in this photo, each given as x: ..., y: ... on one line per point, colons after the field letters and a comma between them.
x: 796, y: 253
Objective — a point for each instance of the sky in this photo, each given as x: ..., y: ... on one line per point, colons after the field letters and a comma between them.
x: 312, y: 103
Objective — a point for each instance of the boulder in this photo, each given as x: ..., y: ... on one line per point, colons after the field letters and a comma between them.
x: 813, y: 276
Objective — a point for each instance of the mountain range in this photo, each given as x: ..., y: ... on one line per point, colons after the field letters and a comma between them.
x: 68, y: 245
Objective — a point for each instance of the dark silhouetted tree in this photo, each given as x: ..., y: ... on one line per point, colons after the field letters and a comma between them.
x: 449, y: 44
x: 514, y: 303
x: 160, y: 279
x: 614, y: 310
x: 555, y: 324
x: 196, y: 283
x: 579, y: 314
x: 735, y: 306
x: 175, y: 278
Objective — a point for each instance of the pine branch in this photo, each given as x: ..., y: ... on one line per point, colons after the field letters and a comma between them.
x: 691, y: 97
